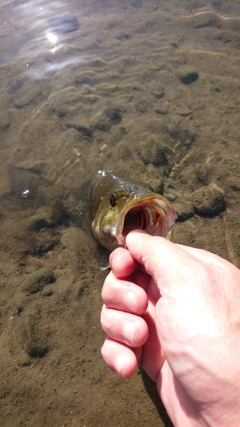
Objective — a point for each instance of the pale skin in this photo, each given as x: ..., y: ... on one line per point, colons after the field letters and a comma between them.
x: 175, y: 311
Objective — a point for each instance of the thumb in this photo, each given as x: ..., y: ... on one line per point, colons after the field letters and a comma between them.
x: 170, y: 265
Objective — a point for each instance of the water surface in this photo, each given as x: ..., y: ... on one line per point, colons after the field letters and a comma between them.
x: 91, y: 85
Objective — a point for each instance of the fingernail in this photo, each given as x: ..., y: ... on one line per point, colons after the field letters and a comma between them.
x: 129, y: 332
x: 119, y: 363
x: 131, y: 301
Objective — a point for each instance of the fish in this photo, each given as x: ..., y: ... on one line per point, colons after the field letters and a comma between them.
x: 119, y: 205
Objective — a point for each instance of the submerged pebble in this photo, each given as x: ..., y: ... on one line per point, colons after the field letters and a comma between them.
x: 205, y: 19
x: 30, y: 338
x: 27, y: 94
x: 184, y: 210
x: 44, y: 216
x: 110, y: 116
x: 5, y: 116
x: 23, y: 359
x: 153, y: 151
x: 187, y: 74
x: 209, y: 199
x: 5, y: 119
x: 142, y: 106
x: 36, y: 281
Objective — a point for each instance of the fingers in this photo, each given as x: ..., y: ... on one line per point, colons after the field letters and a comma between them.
x: 124, y: 327
x: 122, y: 263
x: 119, y: 358
x: 124, y: 301
x: 124, y: 295
x: 170, y: 265
x: 152, y: 253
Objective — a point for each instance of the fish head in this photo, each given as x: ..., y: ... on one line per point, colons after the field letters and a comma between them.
x: 128, y: 206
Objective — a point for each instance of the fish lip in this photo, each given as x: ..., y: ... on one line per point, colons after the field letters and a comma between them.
x: 158, y: 223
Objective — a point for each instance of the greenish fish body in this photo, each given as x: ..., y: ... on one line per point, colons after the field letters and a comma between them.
x: 119, y: 205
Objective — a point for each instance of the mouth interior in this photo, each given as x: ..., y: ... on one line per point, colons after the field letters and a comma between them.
x: 138, y: 218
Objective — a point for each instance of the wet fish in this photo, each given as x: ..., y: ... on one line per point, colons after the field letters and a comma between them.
x: 119, y: 205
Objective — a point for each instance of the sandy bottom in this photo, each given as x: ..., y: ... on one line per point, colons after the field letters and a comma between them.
x: 149, y: 89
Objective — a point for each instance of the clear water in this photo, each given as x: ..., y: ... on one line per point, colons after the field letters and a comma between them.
x: 101, y: 96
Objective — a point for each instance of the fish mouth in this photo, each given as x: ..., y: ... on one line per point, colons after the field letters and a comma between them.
x: 154, y: 215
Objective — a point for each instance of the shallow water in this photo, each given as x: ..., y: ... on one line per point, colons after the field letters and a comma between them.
x: 134, y: 76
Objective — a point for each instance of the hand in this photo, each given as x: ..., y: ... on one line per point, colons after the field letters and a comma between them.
x: 175, y: 311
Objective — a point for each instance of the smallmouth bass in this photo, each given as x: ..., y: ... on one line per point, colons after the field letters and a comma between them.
x: 118, y: 206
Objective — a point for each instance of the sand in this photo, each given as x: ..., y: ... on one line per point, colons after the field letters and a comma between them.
x: 149, y: 89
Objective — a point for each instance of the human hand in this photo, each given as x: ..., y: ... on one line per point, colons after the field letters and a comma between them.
x: 174, y: 310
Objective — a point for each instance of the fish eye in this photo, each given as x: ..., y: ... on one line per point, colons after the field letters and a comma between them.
x: 112, y: 200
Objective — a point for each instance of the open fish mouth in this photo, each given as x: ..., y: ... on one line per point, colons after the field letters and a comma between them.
x: 137, y: 218
x: 119, y: 206
x: 153, y: 215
